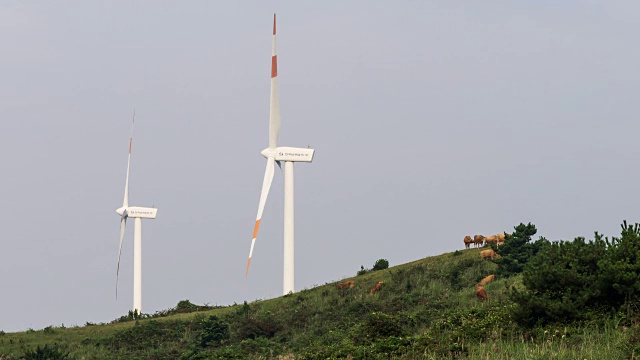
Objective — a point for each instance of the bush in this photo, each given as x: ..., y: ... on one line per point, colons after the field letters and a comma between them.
x: 621, y: 267
x: 381, y: 264
x: 214, y: 332
x: 149, y: 334
x: 562, y: 281
x: 379, y: 325
x: 362, y: 271
x: 46, y: 352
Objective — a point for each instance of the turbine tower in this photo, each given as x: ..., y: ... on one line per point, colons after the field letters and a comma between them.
x: 137, y: 213
x: 277, y: 154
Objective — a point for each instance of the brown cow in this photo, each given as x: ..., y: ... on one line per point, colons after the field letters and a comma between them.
x: 486, y: 280
x: 376, y: 288
x: 467, y: 241
x: 501, y: 238
x: 347, y: 284
x: 488, y: 254
x: 478, y: 240
x: 481, y: 293
x: 493, y: 239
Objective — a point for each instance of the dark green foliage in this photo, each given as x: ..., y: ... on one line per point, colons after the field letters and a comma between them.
x: 578, y: 280
x: 362, y: 271
x: 131, y: 315
x: 150, y: 334
x: 562, y: 281
x: 378, y: 325
x: 517, y: 250
x: 214, y: 332
x: 476, y: 324
x: 255, y: 326
x: 631, y: 345
x: 47, y: 352
x: 456, y: 273
x: 183, y: 306
x: 244, y: 310
x: 381, y: 264
x: 621, y: 266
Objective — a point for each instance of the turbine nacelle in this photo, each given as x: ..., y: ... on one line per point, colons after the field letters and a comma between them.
x: 142, y: 212
x: 289, y: 154
x: 137, y: 212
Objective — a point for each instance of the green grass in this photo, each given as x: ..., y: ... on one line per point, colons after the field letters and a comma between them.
x: 427, y: 309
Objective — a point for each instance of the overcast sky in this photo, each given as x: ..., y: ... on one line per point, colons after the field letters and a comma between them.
x: 430, y: 120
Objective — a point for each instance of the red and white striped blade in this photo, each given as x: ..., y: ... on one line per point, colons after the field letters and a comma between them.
x: 123, y: 224
x: 274, y: 113
x: 266, y: 185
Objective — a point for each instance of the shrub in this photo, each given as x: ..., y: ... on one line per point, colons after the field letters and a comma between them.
x: 621, y: 267
x: 379, y: 325
x: 149, y: 334
x: 562, y: 281
x: 214, y: 332
x: 381, y: 264
x: 46, y: 352
x: 362, y: 271
x: 253, y: 327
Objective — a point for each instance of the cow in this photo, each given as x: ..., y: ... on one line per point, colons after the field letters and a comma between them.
x: 486, y: 280
x: 493, y: 239
x: 478, y: 240
x: 467, y: 241
x: 347, y: 284
x: 481, y: 293
x: 488, y: 254
x: 501, y: 238
x: 376, y: 288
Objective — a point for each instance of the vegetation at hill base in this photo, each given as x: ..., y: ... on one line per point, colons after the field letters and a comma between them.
x: 563, y: 300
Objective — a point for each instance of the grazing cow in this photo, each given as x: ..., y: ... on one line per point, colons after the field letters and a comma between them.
x: 493, y: 239
x: 376, y: 288
x: 478, y: 240
x: 347, y: 284
x: 481, y: 293
x: 488, y: 254
x: 467, y: 241
x: 486, y: 280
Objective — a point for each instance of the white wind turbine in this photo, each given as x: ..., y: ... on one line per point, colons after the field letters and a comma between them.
x: 277, y: 154
x: 137, y: 213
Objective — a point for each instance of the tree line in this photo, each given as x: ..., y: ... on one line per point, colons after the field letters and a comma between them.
x: 575, y: 280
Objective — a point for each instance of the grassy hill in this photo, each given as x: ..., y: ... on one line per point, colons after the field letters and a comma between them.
x: 426, y: 309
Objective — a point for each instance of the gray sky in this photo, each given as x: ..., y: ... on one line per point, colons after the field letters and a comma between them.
x: 430, y: 120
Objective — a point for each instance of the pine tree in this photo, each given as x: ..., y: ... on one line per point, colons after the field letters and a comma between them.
x: 517, y: 250
x: 621, y: 266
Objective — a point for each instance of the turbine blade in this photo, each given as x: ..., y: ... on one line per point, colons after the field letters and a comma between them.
x: 125, y: 202
x: 274, y: 113
x: 123, y: 224
x: 266, y: 185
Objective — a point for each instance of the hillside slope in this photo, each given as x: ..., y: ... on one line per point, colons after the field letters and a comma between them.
x: 426, y: 309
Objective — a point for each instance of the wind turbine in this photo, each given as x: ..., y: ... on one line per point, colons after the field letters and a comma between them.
x: 137, y: 213
x: 277, y: 154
